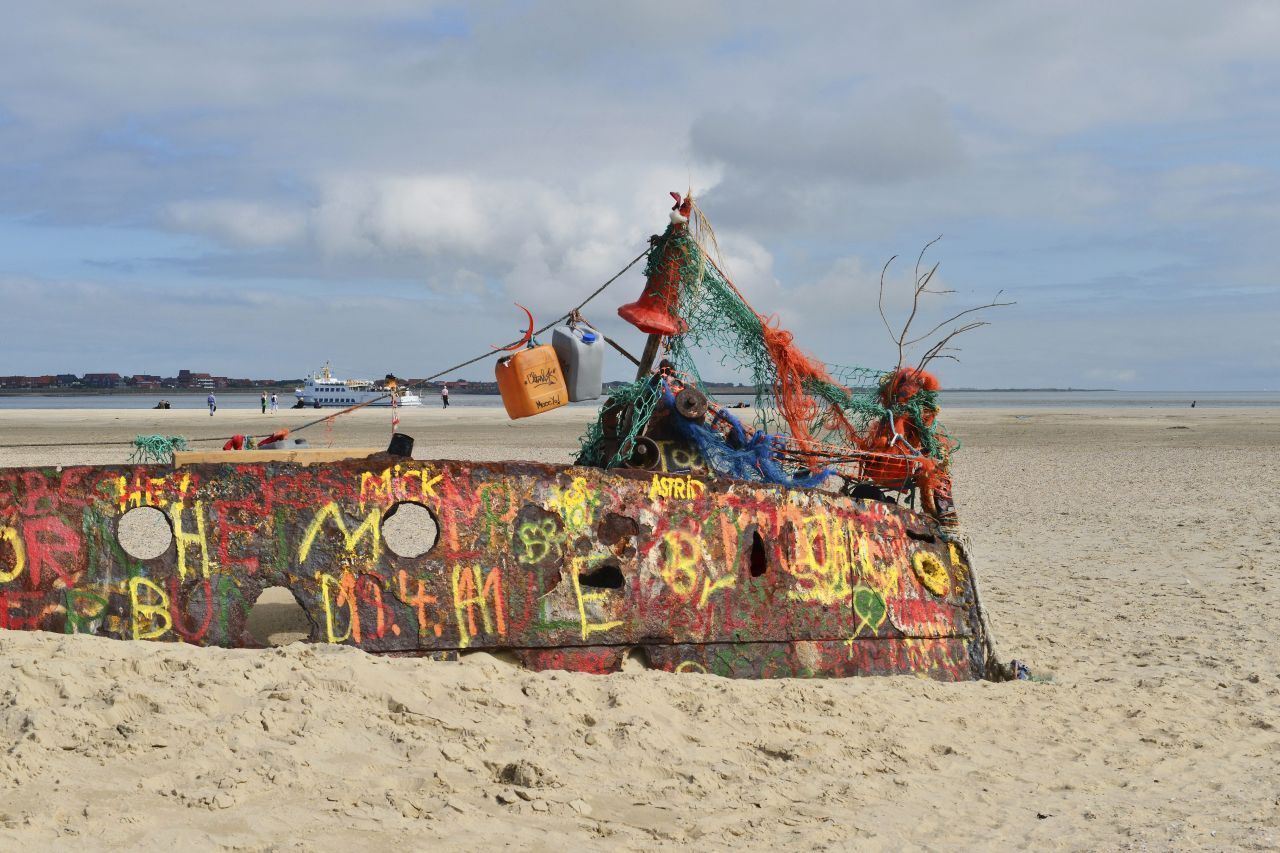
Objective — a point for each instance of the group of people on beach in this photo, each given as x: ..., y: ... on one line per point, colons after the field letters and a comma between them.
x: 212, y: 402
x: 274, y: 402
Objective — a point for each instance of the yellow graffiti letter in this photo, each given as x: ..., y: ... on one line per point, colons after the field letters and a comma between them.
x: 680, y: 568
x: 375, y: 486
x: 470, y: 592
x: 145, y: 614
x: 10, y: 535
x: 327, y: 582
x: 369, y: 526
x: 184, y: 540
x: 588, y: 627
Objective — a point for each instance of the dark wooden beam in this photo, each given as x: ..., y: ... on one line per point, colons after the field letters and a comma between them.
x: 645, y: 366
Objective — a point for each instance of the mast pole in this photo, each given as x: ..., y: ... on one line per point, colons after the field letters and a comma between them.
x: 648, y: 357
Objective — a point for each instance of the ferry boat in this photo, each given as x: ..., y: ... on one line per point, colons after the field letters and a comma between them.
x: 323, y: 389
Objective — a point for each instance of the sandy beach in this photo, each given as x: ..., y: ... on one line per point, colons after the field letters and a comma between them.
x: 1129, y: 556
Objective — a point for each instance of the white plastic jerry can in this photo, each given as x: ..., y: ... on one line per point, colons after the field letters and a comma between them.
x: 581, y: 355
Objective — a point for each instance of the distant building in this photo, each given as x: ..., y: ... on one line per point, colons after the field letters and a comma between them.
x: 143, y: 380
x: 28, y: 381
x: 103, y: 380
x: 186, y: 379
x: 190, y: 379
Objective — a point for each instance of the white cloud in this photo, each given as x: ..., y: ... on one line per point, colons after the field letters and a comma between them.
x: 1121, y: 375
x: 890, y: 140
x: 1224, y: 192
x: 243, y: 223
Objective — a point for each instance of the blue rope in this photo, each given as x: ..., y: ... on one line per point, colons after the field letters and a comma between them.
x: 754, y: 459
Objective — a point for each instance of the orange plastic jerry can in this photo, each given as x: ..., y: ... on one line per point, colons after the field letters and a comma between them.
x: 531, y: 382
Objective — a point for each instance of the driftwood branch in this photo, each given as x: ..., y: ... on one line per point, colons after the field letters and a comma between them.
x: 938, y: 349
x: 880, y: 301
x: 942, y: 348
x: 992, y: 304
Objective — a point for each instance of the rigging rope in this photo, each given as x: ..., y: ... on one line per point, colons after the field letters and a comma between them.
x: 482, y: 356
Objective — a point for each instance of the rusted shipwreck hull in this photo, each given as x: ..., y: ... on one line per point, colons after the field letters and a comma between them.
x: 567, y: 567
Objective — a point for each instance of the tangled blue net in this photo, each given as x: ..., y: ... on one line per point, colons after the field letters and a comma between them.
x: 737, y: 456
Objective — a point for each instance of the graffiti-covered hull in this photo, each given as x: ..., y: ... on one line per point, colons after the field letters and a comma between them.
x: 568, y: 567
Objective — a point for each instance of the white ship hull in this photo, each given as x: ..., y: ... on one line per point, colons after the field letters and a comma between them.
x: 341, y: 401
x: 322, y: 391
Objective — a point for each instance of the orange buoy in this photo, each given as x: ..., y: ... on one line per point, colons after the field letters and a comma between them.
x: 655, y: 311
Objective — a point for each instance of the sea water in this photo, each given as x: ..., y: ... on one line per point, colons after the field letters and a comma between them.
x: 250, y: 401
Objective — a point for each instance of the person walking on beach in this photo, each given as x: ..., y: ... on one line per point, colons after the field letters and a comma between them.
x: 275, y: 403
x: 444, y: 394
x: 264, y: 402
x: 213, y: 404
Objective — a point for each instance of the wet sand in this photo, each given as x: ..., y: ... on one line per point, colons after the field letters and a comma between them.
x: 1130, y: 557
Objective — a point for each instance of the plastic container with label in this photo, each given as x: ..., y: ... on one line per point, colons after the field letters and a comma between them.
x: 581, y: 355
x: 531, y: 383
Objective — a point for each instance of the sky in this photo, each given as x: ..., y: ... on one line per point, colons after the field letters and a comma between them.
x: 252, y: 189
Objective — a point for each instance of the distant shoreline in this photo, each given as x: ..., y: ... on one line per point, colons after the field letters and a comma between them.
x: 141, y: 392
x: 290, y: 388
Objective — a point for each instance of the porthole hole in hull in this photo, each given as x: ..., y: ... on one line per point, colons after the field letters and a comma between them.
x: 409, y: 529
x: 759, y: 557
x: 605, y: 576
x: 144, y: 533
x: 277, y: 619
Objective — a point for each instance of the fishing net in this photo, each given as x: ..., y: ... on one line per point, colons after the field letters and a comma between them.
x: 810, y: 417
x: 611, y: 438
x: 156, y: 448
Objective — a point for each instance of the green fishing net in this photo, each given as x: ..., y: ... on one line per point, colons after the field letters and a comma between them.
x: 156, y: 448
x: 611, y: 437
x: 719, y: 322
